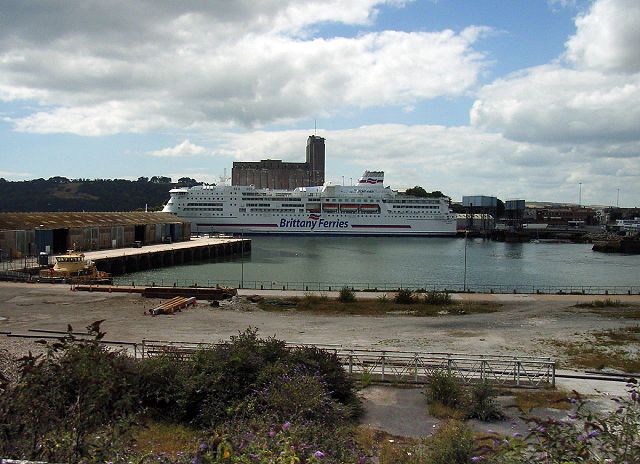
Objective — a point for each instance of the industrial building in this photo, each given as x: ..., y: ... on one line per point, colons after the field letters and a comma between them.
x: 277, y: 174
x: 27, y: 234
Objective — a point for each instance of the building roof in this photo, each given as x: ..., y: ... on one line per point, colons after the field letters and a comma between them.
x: 65, y: 220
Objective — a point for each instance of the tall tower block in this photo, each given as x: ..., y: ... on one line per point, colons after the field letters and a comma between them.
x: 315, y: 159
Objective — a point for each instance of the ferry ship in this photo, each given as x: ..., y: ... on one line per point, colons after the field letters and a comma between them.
x: 368, y: 208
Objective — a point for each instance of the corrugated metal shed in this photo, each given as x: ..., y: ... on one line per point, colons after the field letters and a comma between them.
x: 480, y: 201
x: 26, y: 221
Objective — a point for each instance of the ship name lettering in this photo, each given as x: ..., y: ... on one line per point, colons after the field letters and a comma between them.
x: 309, y: 224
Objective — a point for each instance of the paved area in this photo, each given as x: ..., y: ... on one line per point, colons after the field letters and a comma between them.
x: 195, y: 242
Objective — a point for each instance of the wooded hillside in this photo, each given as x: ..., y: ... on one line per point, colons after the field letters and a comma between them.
x: 62, y: 194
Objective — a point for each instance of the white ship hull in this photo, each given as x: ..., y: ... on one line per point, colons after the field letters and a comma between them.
x: 365, y: 209
x: 325, y: 225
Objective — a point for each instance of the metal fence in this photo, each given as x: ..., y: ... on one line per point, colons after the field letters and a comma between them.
x: 403, y: 367
x: 388, y: 286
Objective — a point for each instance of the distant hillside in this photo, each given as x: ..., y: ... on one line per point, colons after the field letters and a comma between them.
x: 62, y: 194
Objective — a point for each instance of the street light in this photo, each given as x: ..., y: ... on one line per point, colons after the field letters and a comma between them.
x: 241, y: 258
x: 465, y: 261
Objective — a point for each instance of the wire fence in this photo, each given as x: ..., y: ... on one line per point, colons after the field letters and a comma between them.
x: 307, y: 286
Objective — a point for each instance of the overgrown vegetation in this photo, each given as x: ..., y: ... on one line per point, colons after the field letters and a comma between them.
x: 527, y: 400
x: 404, y: 296
x: 584, y: 437
x: 607, y: 303
x: 614, y: 348
x: 381, y: 305
x: 82, y: 402
x: 347, y: 295
x: 448, y: 398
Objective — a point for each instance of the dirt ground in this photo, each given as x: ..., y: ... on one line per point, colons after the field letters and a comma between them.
x: 520, y: 326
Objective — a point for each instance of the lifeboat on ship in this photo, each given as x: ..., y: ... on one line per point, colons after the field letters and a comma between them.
x: 313, y: 207
x: 329, y: 207
x: 349, y: 208
x: 369, y: 208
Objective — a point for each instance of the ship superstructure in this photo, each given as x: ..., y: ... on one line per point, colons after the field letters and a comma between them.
x: 367, y: 208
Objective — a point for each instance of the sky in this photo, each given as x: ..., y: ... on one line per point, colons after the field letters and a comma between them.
x: 532, y: 99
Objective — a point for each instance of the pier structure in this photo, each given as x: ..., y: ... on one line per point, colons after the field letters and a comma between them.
x: 124, y: 260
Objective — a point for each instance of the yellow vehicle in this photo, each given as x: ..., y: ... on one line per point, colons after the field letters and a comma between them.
x: 73, y: 268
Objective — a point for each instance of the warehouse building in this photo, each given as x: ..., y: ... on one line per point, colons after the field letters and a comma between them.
x: 28, y: 234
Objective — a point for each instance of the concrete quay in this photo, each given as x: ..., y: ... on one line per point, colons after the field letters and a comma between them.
x: 120, y: 261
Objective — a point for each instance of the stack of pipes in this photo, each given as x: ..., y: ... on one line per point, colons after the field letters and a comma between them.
x: 172, y: 305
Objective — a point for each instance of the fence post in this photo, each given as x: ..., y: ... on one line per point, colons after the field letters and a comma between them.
x: 449, y: 364
x: 415, y: 358
x: 383, y: 356
x: 553, y: 374
x: 518, y: 376
x: 351, y: 363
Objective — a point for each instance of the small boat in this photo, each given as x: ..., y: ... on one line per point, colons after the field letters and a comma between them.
x: 73, y: 268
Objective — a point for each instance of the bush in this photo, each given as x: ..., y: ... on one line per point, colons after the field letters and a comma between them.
x: 452, y: 443
x: 444, y: 387
x: 437, y: 298
x: 346, y: 295
x: 404, y: 296
x: 338, y: 381
x: 585, y: 437
x: 482, y: 402
x: 62, y: 397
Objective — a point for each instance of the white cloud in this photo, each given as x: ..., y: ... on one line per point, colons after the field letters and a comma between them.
x: 607, y: 37
x: 593, y: 104
x: 96, y: 71
x: 556, y: 105
x: 185, y: 148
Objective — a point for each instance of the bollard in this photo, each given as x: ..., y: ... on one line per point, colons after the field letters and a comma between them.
x: 261, y: 287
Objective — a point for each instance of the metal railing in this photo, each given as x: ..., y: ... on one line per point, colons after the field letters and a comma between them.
x: 388, y: 286
x: 404, y: 367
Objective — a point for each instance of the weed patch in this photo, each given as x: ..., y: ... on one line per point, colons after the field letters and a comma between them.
x: 527, y: 400
x: 380, y: 306
x: 616, y: 349
x: 607, y: 303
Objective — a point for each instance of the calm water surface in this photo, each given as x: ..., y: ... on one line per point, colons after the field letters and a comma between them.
x: 414, y: 261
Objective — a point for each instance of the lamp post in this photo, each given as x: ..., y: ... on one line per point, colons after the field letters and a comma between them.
x: 464, y: 285
x: 241, y: 258
x: 618, y: 199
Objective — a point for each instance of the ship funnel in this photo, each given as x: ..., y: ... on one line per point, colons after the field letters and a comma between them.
x: 370, y: 178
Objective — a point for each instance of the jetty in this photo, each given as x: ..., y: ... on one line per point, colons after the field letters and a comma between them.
x: 120, y: 261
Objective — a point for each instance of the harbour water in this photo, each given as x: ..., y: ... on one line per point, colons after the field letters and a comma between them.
x: 386, y: 262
